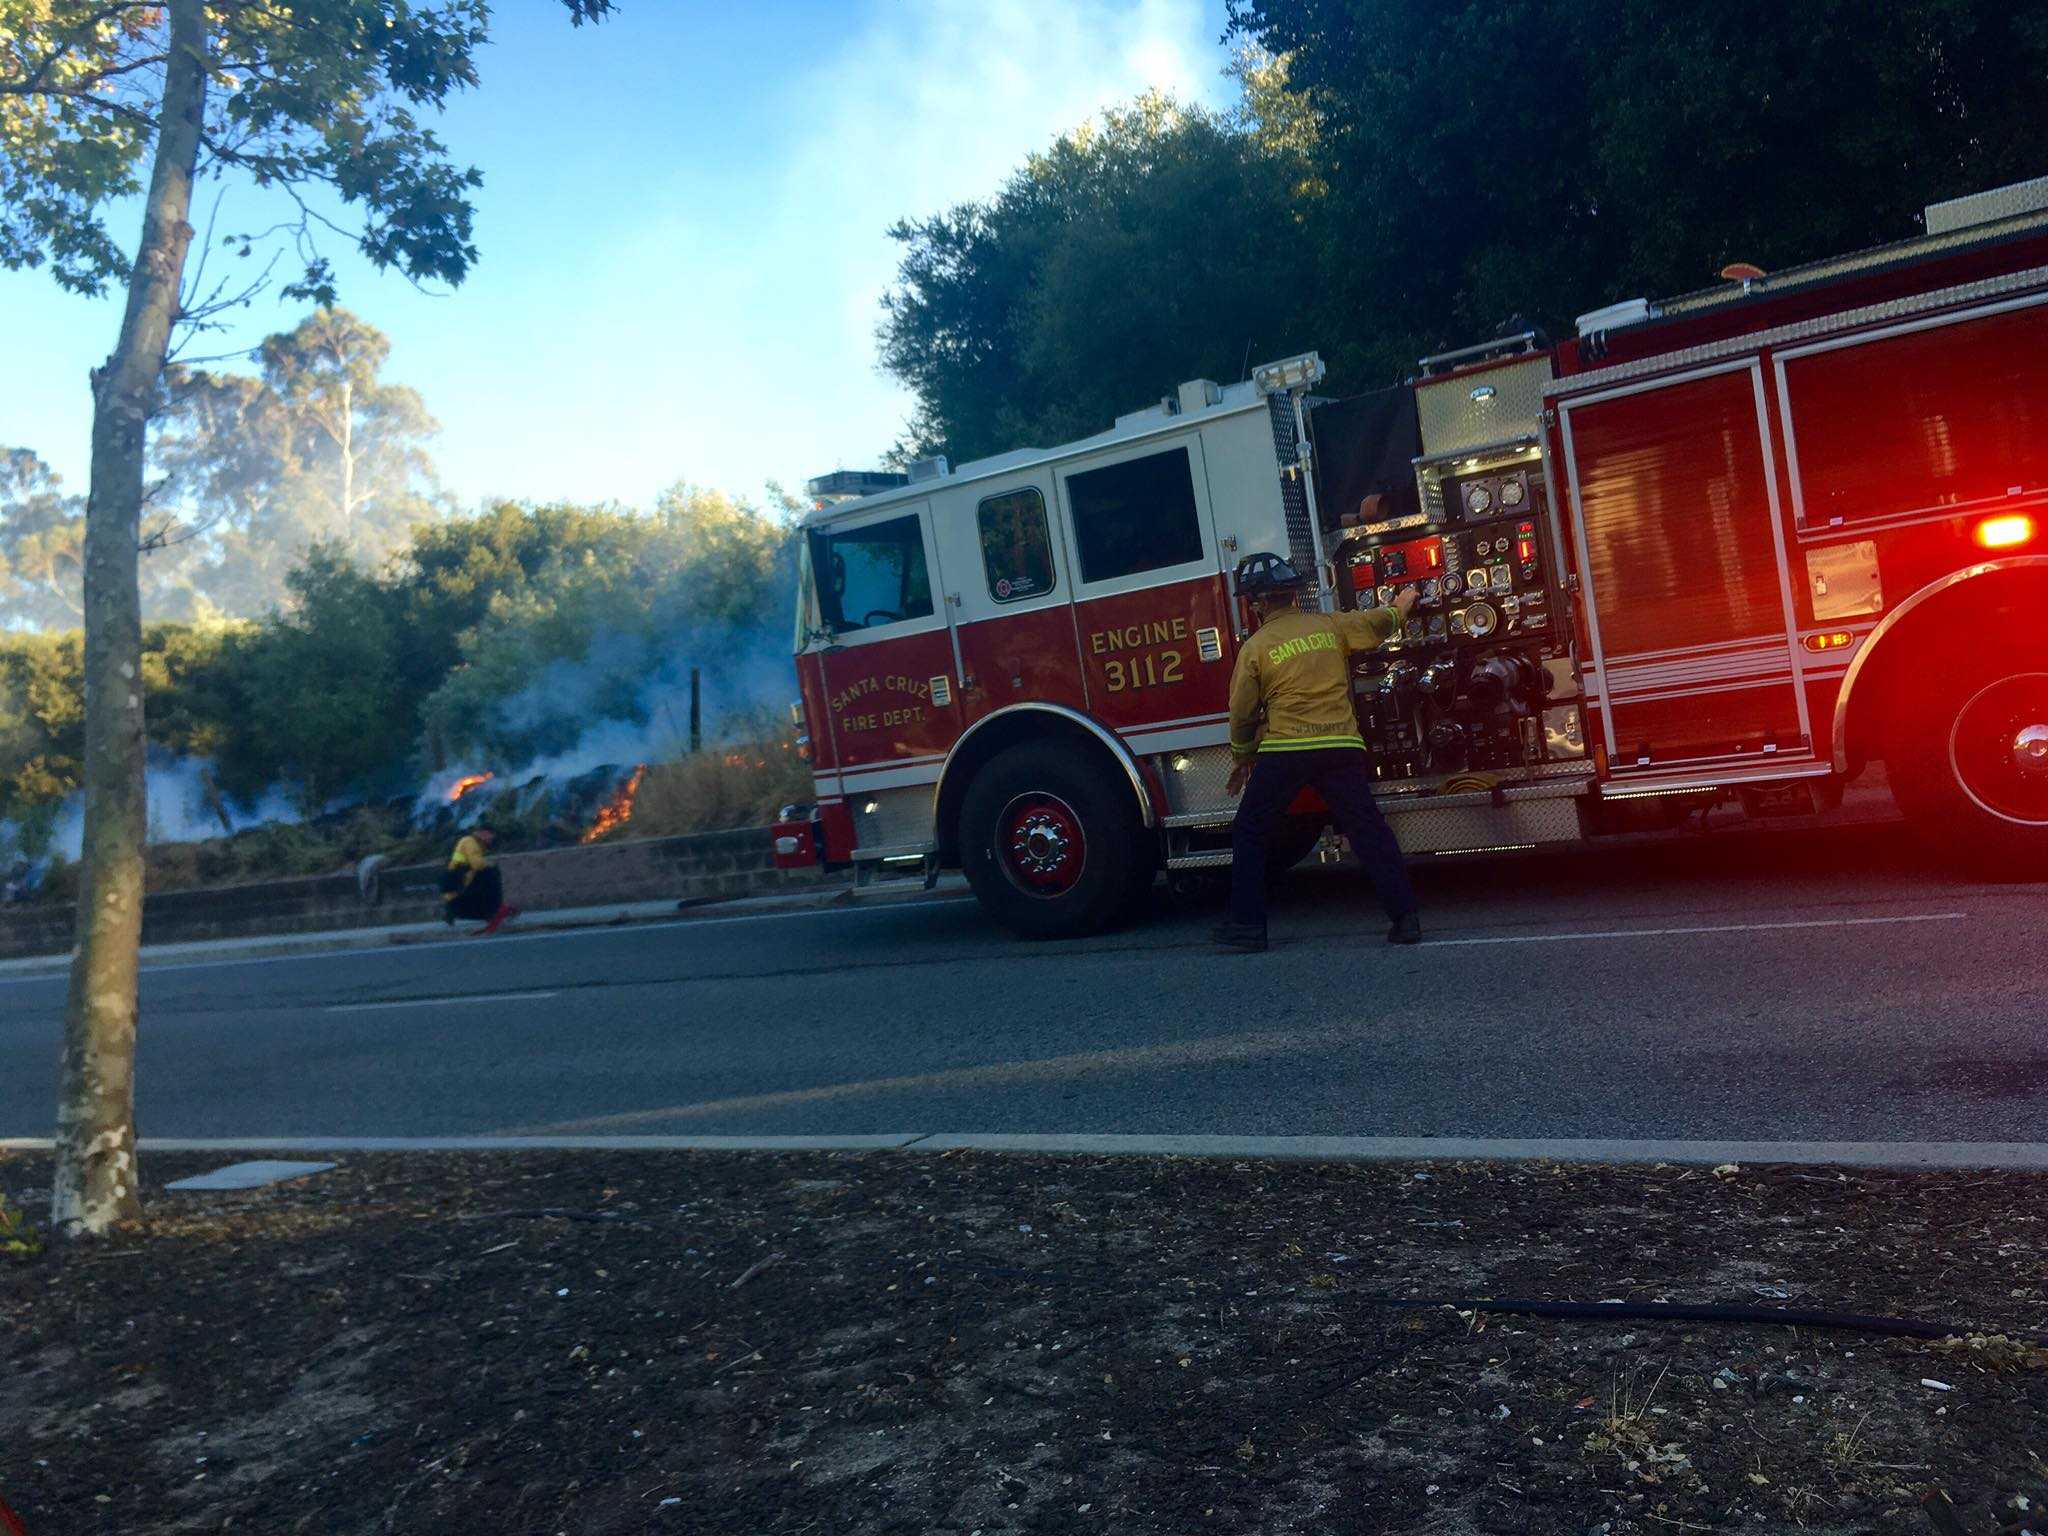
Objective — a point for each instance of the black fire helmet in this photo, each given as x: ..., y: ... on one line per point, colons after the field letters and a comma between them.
x: 1265, y: 572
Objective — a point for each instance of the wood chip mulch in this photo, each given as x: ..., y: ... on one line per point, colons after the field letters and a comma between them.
x: 892, y: 1343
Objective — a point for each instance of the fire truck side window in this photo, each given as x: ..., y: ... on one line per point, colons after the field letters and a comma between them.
x: 1135, y: 516
x: 871, y: 576
x: 1016, y: 545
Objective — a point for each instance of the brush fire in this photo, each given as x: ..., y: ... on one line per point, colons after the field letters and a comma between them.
x: 618, y: 810
x: 466, y: 783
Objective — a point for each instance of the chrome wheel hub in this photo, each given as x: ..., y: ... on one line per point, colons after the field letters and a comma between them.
x: 1998, y: 748
x: 2030, y: 748
x: 1041, y: 844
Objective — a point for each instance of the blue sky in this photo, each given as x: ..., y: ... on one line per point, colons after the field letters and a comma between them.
x: 683, y: 232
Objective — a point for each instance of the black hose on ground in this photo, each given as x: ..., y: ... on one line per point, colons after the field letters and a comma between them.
x: 1698, y: 1312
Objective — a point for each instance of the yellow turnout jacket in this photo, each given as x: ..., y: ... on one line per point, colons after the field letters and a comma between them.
x: 1293, y: 678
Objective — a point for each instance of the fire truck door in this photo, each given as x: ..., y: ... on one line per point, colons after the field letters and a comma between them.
x: 1014, y: 582
x: 1149, y: 594
x: 1681, y: 548
x: 891, y: 693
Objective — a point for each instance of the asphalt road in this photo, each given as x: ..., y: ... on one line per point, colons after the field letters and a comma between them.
x: 1776, y: 986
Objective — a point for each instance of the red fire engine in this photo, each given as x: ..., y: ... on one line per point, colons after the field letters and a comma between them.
x: 1738, y: 543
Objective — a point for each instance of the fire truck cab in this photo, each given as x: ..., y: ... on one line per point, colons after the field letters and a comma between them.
x: 1736, y: 544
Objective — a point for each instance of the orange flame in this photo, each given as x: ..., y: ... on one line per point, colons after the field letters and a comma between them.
x: 618, y: 810
x: 466, y: 783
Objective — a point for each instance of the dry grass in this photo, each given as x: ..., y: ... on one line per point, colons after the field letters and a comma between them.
x: 735, y: 784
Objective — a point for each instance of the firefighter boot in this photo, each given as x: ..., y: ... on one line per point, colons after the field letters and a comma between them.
x: 1250, y: 937
x: 1407, y: 929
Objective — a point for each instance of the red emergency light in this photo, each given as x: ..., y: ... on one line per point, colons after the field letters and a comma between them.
x: 2006, y: 531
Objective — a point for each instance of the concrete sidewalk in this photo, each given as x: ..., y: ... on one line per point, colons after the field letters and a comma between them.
x: 617, y: 915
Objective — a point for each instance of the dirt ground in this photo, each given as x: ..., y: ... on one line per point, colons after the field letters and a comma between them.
x: 853, y: 1344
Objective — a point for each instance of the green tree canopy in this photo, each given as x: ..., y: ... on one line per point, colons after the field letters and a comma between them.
x: 1540, y: 158
x: 42, y: 539
x: 42, y: 553
x: 316, y: 448
x: 1156, y: 245
x: 326, y: 94
x: 606, y: 627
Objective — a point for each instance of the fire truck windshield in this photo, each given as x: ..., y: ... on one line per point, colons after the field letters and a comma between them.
x: 871, y: 575
x: 806, y: 603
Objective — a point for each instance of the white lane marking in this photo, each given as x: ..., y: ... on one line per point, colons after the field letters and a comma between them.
x: 1658, y: 933
x: 428, y: 1002
x: 441, y: 946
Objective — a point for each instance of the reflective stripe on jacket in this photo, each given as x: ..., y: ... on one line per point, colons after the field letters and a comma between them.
x: 1294, y: 678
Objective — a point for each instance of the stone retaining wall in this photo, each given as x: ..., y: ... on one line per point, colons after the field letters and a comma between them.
x: 705, y: 864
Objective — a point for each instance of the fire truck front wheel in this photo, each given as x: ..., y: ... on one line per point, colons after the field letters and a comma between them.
x: 1052, y: 843
x: 1967, y: 752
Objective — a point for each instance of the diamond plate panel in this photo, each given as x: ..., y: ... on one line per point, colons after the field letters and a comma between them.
x: 901, y: 818
x: 2022, y: 197
x: 1471, y: 829
x: 1460, y: 413
x: 1198, y: 787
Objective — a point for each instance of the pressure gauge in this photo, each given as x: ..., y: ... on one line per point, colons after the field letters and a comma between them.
x: 1452, y: 581
x: 1481, y: 620
x: 1478, y: 498
x: 1512, y: 492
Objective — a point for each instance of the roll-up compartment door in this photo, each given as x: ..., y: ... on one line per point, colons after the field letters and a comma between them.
x: 1682, y: 555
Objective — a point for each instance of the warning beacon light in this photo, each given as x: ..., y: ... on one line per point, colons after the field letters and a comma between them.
x: 1304, y: 371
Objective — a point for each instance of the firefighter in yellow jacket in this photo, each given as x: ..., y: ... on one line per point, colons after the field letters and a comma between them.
x: 1292, y: 726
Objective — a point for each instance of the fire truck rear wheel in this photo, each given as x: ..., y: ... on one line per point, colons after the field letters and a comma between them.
x: 1967, y: 752
x: 1052, y: 843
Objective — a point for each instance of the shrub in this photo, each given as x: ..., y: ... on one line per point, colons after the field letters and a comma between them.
x: 734, y: 784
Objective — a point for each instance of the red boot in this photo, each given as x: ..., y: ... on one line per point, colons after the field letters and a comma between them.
x: 498, y: 920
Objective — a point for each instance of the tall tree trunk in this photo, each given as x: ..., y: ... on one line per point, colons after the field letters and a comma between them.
x: 96, y: 1172
x: 348, y: 465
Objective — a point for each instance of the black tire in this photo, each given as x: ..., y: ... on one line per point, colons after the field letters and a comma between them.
x: 1954, y: 752
x: 1019, y: 853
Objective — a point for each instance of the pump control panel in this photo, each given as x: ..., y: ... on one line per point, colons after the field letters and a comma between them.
x: 1480, y: 676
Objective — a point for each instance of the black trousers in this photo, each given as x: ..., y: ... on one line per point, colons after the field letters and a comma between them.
x: 482, y: 897
x: 1340, y: 776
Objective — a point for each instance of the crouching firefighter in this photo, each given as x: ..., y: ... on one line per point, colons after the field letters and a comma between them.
x: 1292, y: 727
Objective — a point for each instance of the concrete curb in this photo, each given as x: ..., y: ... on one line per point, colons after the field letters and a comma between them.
x: 2004, y: 1156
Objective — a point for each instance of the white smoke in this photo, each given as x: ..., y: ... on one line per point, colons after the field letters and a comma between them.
x: 182, y: 808
x: 743, y: 673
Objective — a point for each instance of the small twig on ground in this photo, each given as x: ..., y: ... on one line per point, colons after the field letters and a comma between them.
x: 752, y: 1354
x: 555, y: 1211
x: 756, y: 1268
